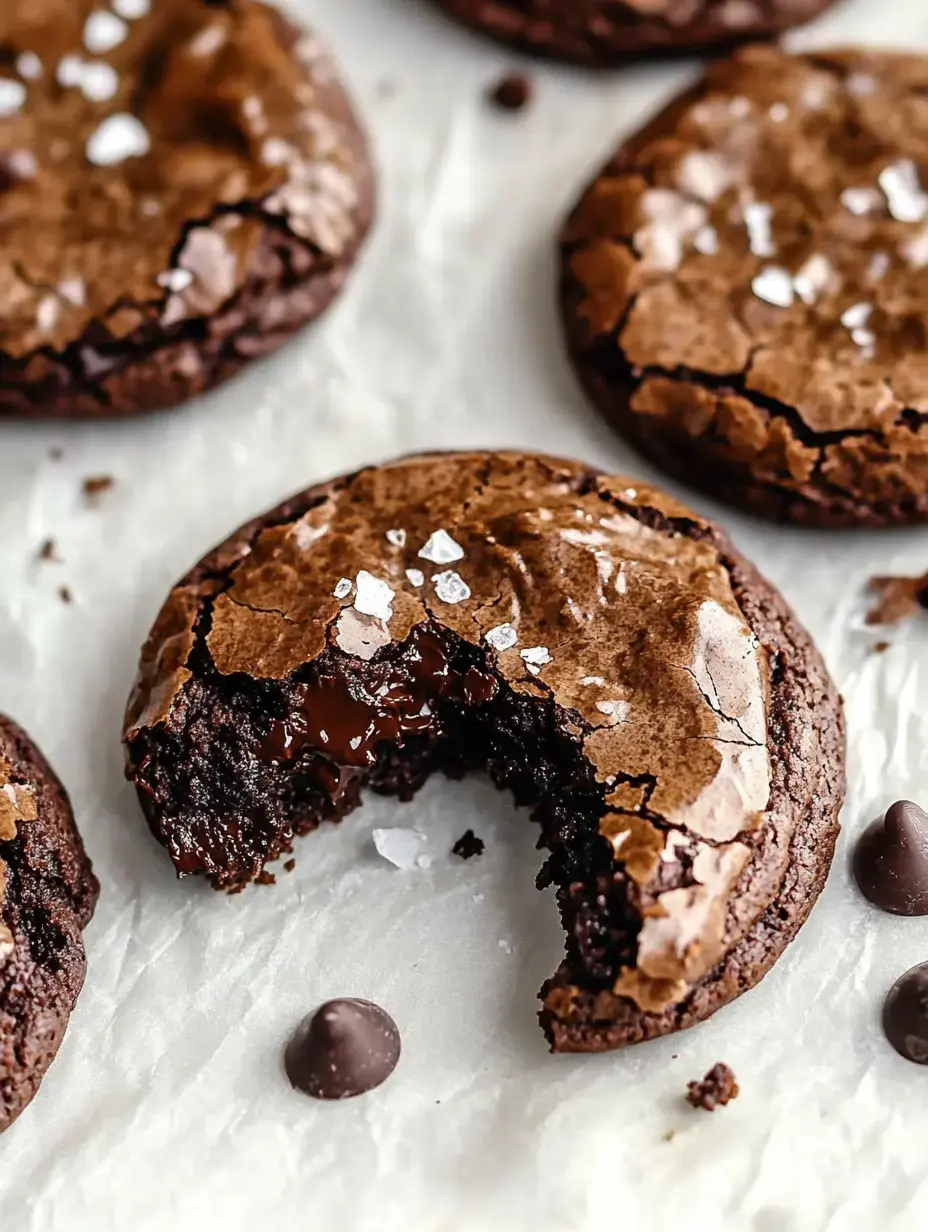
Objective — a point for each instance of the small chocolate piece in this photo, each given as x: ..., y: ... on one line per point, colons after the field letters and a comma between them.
x: 64, y: 594
x: 345, y: 1048
x: 512, y: 92
x: 715, y: 1090
x: 899, y: 598
x: 881, y: 647
x: 891, y: 860
x: 48, y: 551
x: 468, y: 845
x: 95, y: 485
x: 905, y: 1015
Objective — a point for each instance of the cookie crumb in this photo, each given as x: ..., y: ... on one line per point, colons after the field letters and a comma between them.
x: 64, y: 594
x: 265, y: 877
x: 48, y: 550
x: 289, y: 866
x: 670, y: 1135
x: 468, y: 845
x: 880, y: 647
x: 899, y: 598
x: 512, y: 92
x: 715, y: 1090
x: 96, y: 485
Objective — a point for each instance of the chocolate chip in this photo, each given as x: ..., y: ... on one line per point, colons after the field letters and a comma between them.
x: 905, y: 1015
x: 468, y: 845
x: 48, y: 551
x: 345, y: 1048
x: 715, y: 1090
x: 512, y: 92
x: 891, y: 860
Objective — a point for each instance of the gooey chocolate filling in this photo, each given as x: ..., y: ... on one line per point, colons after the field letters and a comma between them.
x: 275, y: 760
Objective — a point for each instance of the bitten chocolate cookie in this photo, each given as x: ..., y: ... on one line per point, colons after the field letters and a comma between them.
x: 592, y: 645
x: 745, y: 287
x: 47, y: 896
x: 182, y: 185
x: 603, y: 31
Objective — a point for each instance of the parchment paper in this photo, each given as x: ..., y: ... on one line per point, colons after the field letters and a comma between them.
x: 167, y: 1109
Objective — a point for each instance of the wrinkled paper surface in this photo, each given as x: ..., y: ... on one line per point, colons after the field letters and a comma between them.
x: 168, y: 1107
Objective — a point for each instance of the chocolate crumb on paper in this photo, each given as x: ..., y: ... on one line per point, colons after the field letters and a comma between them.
x: 94, y: 486
x: 898, y: 598
x: 64, y: 594
x: 49, y: 551
x: 715, y: 1090
x: 512, y: 92
x: 468, y: 845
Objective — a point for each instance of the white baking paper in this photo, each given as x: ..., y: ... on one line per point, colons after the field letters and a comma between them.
x: 167, y: 1109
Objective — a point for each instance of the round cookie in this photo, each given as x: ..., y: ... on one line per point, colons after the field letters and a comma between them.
x: 47, y: 896
x: 745, y: 287
x: 606, y: 31
x: 181, y: 188
x: 592, y: 645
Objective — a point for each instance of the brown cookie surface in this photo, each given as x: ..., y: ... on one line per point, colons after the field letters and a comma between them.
x: 601, y: 31
x: 47, y: 896
x: 588, y: 642
x: 181, y: 188
x: 745, y: 286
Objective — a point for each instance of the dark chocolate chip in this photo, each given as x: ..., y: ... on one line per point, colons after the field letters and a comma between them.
x: 891, y: 860
x: 345, y: 1048
x: 905, y: 1015
x: 512, y: 92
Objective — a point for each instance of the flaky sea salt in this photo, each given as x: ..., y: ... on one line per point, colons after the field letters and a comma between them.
x: 374, y: 597
x: 12, y: 96
x: 758, y: 218
x: 501, y: 637
x: 175, y: 279
x: 416, y: 577
x: 132, y: 10
x: 397, y: 538
x: 450, y: 587
x: 119, y: 137
x: 774, y: 286
x: 103, y: 31
x: 441, y: 549
x: 342, y: 588
x: 535, y: 658
x: 904, y: 194
x: 29, y: 66
x: 401, y: 847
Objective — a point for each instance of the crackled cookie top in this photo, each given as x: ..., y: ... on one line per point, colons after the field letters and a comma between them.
x: 756, y: 261
x: 142, y: 147
x: 17, y: 804
x: 579, y: 588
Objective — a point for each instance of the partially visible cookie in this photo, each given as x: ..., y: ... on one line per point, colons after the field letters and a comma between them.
x: 181, y: 187
x: 47, y: 896
x: 601, y: 31
x: 745, y: 286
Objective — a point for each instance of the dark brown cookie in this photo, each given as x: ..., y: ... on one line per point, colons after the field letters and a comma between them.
x: 180, y: 189
x: 605, y: 31
x: 745, y: 287
x: 591, y: 644
x: 47, y: 896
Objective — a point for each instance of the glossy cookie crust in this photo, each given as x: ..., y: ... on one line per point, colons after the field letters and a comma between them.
x: 745, y: 286
x: 47, y: 896
x: 180, y: 190
x: 592, y: 645
x: 605, y: 31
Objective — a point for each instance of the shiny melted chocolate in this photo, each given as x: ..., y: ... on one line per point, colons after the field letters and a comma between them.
x: 347, y: 716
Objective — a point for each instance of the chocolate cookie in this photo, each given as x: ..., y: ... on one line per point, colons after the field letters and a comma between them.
x: 182, y: 185
x: 745, y: 287
x: 592, y: 645
x: 604, y: 31
x: 47, y: 896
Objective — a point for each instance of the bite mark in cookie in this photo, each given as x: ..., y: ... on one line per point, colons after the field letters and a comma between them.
x: 745, y: 284
x: 173, y: 202
x: 600, y: 651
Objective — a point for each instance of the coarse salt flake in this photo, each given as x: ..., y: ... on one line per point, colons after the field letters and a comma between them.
x: 401, y: 847
x: 119, y: 137
x: 441, y: 549
x: 342, y: 588
x: 502, y: 637
x: 12, y: 96
x: 374, y: 597
x: 416, y: 577
x: 397, y: 538
x: 774, y: 286
x: 103, y: 31
x: 450, y: 587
